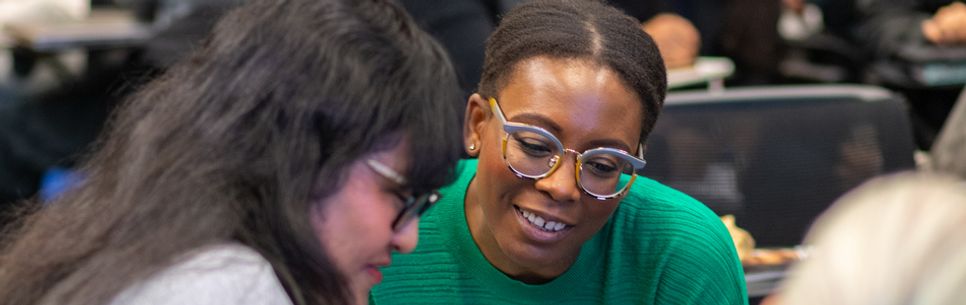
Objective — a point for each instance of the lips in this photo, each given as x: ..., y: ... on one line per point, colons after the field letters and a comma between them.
x: 373, y: 270
x: 374, y: 274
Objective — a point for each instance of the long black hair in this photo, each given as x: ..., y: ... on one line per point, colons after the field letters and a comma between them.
x: 583, y: 29
x: 236, y: 143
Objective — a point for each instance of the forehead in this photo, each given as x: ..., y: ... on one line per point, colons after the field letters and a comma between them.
x: 585, y: 100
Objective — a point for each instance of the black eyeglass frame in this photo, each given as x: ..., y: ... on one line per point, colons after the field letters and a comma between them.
x: 413, y: 205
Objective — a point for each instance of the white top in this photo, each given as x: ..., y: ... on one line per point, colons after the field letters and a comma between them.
x: 227, y: 273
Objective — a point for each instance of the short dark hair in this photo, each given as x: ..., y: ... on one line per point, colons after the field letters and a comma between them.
x: 237, y: 142
x: 578, y: 29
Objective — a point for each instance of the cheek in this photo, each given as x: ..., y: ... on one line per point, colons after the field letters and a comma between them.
x: 351, y: 225
x: 490, y: 167
x: 496, y: 180
x: 327, y: 225
x: 371, y: 219
x: 491, y: 154
x: 598, y: 213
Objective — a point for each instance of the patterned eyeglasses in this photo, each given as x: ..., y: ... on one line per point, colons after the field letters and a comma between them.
x: 534, y: 153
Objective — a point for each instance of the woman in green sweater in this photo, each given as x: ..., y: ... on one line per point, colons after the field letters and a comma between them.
x: 551, y: 212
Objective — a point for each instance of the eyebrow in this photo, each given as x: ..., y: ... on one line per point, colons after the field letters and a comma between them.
x: 538, y: 120
x: 555, y: 129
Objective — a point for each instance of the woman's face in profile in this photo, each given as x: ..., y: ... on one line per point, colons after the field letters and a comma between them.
x: 585, y: 106
x: 355, y: 223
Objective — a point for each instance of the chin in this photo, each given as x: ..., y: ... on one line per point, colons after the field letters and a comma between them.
x: 546, y: 262
x: 362, y: 297
x: 360, y: 287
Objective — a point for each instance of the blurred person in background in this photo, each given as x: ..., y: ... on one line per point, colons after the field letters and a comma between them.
x: 279, y: 164
x: 920, y: 50
x: 889, y: 25
x: 53, y: 128
x: 743, y: 30
x: 676, y: 37
x: 894, y: 240
x: 948, y: 154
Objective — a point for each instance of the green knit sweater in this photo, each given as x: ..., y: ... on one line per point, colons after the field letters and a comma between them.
x: 659, y: 247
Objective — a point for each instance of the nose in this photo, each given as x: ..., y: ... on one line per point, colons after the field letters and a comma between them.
x: 405, y: 240
x: 561, y: 185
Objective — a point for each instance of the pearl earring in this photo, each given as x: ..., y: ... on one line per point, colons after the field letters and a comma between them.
x: 472, y: 147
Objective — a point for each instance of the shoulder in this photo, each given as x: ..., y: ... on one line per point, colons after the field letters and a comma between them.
x: 670, y: 218
x: 218, y: 274
x: 696, y: 261
x: 651, y: 200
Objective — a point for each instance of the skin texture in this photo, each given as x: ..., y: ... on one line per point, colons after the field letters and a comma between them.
x: 586, y: 106
x: 947, y: 26
x: 356, y: 223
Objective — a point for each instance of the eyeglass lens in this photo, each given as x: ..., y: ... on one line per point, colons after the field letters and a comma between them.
x: 414, y: 207
x: 601, y: 173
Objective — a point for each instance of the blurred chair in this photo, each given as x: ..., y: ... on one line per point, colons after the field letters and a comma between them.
x: 776, y: 157
x: 823, y: 57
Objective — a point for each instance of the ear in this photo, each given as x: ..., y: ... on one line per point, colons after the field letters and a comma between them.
x: 477, y: 115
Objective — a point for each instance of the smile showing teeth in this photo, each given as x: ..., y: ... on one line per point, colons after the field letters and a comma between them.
x: 539, y: 222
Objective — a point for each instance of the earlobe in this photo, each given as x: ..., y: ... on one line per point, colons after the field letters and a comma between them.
x: 475, y: 120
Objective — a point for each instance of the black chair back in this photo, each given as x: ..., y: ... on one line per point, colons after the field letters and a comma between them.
x: 776, y: 157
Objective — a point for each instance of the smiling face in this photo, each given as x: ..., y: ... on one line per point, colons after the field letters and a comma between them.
x: 585, y: 106
x: 355, y: 223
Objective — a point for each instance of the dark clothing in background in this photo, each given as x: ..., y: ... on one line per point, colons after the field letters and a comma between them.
x: 743, y: 30
x: 839, y: 16
x: 706, y: 15
x: 890, y: 32
x: 644, y: 9
x: 55, y: 129
x: 888, y: 25
x: 461, y: 27
x: 750, y: 38
x: 183, y: 24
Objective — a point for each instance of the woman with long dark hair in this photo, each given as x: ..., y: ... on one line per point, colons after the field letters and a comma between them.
x: 279, y: 164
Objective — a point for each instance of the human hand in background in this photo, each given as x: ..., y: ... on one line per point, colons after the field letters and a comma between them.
x: 676, y: 38
x: 947, y: 26
x: 797, y: 6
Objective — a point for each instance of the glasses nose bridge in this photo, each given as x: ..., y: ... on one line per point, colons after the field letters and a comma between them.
x: 557, y: 161
x: 577, y: 155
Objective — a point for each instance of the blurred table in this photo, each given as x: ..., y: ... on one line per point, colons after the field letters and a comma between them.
x: 103, y: 28
x: 923, y: 66
x: 51, y: 43
x: 763, y: 281
x: 709, y: 70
